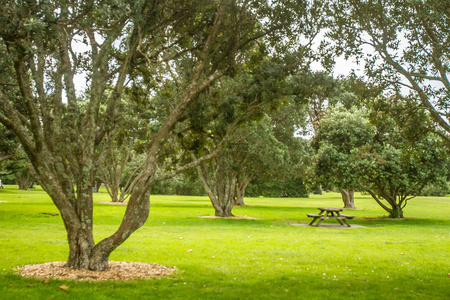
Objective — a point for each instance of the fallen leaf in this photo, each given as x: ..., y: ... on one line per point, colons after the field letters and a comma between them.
x: 47, y: 282
x: 64, y: 287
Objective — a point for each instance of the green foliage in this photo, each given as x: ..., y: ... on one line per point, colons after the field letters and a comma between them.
x: 186, y: 183
x: 277, y: 187
x: 405, y: 169
x: 144, y: 63
x: 403, y: 46
x: 436, y: 189
x: 337, y: 137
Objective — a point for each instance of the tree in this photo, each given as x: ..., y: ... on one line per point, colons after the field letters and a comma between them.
x: 370, y: 151
x: 263, y: 85
x: 253, y: 150
x: 401, y: 160
x: 396, y: 172
x: 285, y: 178
x: 404, y: 45
x: 336, y: 139
x: 258, y: 153
x: 131, y: 46
x: 24, y: 178
x: 241, y: 100
x: 13, y: 161
x: 323, y: 93
x: 123, y: 148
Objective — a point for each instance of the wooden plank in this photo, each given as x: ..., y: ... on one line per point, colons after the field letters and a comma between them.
x: 329, y: 208
x: 314, y: 215
x: 347, y: 216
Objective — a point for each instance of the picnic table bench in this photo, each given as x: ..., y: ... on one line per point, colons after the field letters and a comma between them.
x: 330, y: 213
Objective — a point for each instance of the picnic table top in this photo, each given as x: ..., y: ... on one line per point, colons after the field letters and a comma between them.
x: 329, y: 209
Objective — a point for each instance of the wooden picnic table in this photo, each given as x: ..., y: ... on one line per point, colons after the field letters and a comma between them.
x: 329, y: 213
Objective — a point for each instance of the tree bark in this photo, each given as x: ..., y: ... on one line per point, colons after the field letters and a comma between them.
x: 348, y: 197
x: 241, y: 185
x: 225, y: 196
x: 239, y: 199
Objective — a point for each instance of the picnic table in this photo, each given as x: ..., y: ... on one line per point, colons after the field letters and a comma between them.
x: 329, y: 213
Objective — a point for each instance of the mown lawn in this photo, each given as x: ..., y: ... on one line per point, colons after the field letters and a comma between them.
x: 265, y: 258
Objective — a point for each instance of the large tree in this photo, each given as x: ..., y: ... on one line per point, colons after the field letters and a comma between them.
x: 265, y: 84
x: 403, y: 45
x: 337, y: 136
x: 128, y: 45
x: 258, y: 86
x: 253, y: 150
x: 368, y: 150
x: 404, y: 156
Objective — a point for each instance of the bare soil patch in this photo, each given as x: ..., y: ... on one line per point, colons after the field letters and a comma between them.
x: 234, y: 217
x: 119, y: 271
x: 114, y: 203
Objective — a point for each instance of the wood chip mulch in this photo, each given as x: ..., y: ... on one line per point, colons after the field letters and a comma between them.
x: 119, y: 271
x: 234, y: 217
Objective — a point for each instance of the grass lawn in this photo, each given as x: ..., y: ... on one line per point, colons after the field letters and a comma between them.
x: 240, y: 259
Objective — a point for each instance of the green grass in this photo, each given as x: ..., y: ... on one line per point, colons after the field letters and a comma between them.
x: 240, y: 259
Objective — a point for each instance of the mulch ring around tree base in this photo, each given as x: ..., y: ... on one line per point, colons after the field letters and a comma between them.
x: 233, y: 217
x: 119, y: 271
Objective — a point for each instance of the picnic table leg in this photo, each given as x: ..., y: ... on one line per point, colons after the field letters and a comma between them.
x: 346, y: 223
x: 341, y: 222
x: 312, y: 222
x: 318, y: 223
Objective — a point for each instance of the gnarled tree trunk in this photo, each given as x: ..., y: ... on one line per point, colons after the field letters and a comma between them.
x: 395, y: 202
x: 241, y: 185
x: 221, y: 189
x: 348, y: 196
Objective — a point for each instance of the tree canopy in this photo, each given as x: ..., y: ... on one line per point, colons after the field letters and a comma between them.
x: 403, y: 46
x: 150, y: 50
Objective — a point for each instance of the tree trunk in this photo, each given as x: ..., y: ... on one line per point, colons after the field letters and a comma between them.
x: 225, y: 196
x: 24, y: 178
x: 83, y: 252
x: 81, y: 243
x: 240, y: 193
x: 241, y: 185
x: 115, y: 194
x: 221, y: 189
x: 239, y: 199
x: 348, y: 196
x: 396, y: 212
x: 24, y: 183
